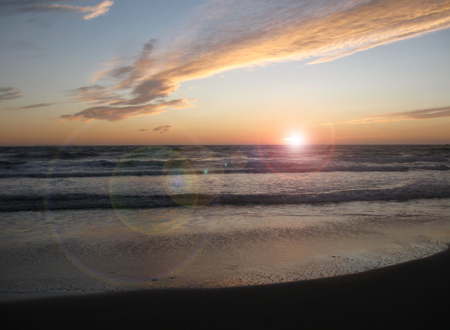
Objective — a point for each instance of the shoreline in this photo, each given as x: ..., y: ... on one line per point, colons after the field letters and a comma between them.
x: 407, y: 294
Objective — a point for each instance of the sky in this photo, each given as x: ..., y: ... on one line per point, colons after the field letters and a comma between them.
x: 171, y: 72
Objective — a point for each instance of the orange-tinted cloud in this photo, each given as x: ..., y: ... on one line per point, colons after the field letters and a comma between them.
x: 361, y: 137
x: 401, y: 116
x: 231, y: 34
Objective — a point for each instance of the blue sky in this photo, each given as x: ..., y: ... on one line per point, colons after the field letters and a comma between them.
x: 224, y: 72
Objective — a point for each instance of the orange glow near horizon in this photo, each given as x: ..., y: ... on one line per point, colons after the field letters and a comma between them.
x: 296, y: 140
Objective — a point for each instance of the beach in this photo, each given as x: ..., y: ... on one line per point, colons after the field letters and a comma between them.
x: 216, y: 164
x: 232, y: 237
x: 412, y: 295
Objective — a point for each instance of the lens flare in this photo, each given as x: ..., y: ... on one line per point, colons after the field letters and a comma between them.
x: 155, y: 192
x: 239, y: 159
x: 192, y: 176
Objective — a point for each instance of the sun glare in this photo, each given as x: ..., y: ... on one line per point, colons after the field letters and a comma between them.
x: 295, y: 140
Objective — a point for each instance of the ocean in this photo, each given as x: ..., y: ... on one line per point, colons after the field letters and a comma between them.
x: 79, y: 219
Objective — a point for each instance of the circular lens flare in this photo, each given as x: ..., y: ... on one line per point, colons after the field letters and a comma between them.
x: 146, y: 246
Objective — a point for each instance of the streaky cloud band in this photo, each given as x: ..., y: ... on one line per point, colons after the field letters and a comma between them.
x: 226, y: 35
x: 402, y: 116
x: 9, y: 93
x: 112, y: 114
x: 44, y: 6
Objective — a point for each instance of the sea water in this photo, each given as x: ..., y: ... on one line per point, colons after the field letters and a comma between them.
x: 110, y: 218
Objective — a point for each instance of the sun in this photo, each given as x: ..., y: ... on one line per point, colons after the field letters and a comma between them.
x: 296, y: 140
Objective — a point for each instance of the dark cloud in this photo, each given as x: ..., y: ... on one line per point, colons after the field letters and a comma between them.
x: 137, y: 70
x: 39, y: 105
x: 121, y: 72
x: 95, y: 94
x: 163, y: 129
x: 150, y: 90
x: 112, y: 113
x: 9, y: 93
x: 142, y: 130
x: 32, y: 106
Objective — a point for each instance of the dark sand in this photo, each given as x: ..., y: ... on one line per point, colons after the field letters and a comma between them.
x: 410, y: 295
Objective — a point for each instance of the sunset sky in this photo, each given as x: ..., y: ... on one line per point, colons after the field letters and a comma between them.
x: 93, y: 72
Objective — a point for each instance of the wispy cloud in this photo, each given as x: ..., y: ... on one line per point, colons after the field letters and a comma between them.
x: 163, y: 129
x: 142, y: 130
x: 233, y: 34
x: 90, y: 12
x: 32, y: 106
x: 9, y: 93
x: 95, y: 94
x: 136, y: 70
x: 361, y: 137
x: 401, y: 116
x: 112, y: 113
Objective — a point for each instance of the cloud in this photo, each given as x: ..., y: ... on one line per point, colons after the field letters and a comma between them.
x: 142, y: 130
x: 163, y: 129
x: 95, y: 94
x: 9, y: 93
x: 46, y: 5
x: 362, y: 137
x: 135, y: 71
x: 401, y: 116
x: 32, y: 106
x: 226, y: 35
x: 112, y: 113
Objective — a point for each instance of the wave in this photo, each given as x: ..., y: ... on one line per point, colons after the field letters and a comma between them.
x: 7, y: 163
x: 153, y: 168
x: 99, y: 201
x: 400, y: 159
x: 49, y: 153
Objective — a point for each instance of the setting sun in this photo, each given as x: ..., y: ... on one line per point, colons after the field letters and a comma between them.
x: 295, y: 140
x: 193, y: 151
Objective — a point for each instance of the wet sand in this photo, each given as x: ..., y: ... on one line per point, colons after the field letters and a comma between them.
x: 412, y: 294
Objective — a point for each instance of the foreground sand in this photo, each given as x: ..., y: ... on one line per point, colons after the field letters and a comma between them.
x: 409, y: 295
